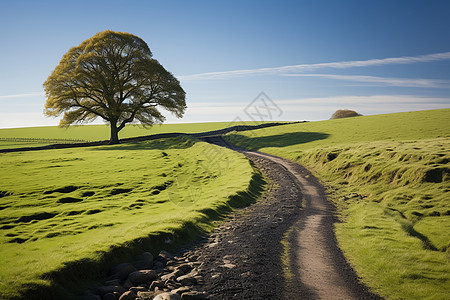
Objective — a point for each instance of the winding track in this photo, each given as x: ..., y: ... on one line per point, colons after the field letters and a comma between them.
x: 241, y: 259
x: 314, y: 266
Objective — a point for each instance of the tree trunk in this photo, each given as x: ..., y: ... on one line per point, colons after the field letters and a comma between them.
x: 114, y: 139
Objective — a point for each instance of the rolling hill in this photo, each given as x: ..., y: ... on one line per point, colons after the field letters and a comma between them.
x: 389, y: 176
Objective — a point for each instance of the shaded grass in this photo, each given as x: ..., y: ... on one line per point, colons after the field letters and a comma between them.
x: 389, y: 176
x: 73, y: 213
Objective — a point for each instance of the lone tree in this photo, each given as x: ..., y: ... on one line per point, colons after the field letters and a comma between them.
x: 112, y: 75
x: 344, y: 113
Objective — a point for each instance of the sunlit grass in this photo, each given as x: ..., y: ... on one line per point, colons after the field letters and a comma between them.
x: 60, y: 207
x: 389, y: 176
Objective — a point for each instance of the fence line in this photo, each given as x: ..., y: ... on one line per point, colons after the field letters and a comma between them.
x: 41, y: 140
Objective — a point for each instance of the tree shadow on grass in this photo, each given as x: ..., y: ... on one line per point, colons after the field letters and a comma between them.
x: 279, y: 140
x: 180, y: 142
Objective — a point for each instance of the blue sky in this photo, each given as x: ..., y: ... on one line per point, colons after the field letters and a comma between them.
x: 309, y: 57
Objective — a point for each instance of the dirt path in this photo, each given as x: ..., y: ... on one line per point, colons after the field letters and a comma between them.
x: 312, y: 260
x: 282, y: 247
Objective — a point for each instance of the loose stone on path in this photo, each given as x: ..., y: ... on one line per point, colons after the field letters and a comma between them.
x: 165, y: 277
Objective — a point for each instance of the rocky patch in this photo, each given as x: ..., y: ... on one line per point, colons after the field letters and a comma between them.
x: 166, y: 277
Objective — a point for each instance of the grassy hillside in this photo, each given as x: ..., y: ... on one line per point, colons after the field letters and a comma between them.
x: 38, y: 136
x: 73, y: 212
x: 389, y: 176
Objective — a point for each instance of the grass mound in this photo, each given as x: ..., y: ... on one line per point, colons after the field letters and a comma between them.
x: 389, y: 176
x: 73, y: 213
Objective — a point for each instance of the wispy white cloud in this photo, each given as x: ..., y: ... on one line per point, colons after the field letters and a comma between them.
x: 311, y: 67
x: 26, y: 95
x: 400, y: 82
x: 366, y: 100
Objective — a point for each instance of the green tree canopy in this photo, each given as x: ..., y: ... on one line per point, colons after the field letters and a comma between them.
x: 112, y: 75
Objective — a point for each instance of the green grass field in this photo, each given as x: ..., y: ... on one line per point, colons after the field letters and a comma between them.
x: 39, y: 136
x: 389, y: 176
x: 72, y: 213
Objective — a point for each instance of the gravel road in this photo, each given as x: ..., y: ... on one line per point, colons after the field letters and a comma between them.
x: 282, y: 247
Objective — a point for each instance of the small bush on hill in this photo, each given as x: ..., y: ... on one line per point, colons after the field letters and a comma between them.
x: 344, y: 113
